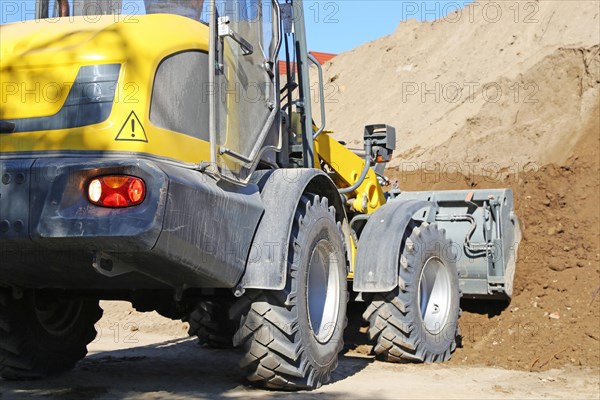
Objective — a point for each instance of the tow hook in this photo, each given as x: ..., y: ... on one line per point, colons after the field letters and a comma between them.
x: 106, y: 265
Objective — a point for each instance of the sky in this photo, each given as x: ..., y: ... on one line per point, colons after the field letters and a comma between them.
x: 341, y: 25
x: 333, y: 26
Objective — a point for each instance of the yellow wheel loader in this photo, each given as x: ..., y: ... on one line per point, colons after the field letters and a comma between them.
x: 151, y: 152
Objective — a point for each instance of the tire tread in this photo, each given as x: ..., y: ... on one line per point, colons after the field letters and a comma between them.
x: 269, y: 332
x: 390, y: 315
x: 19, y: 356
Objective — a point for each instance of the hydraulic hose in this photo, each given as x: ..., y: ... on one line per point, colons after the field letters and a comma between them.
x: 359, y: 217
x: 365, y: 170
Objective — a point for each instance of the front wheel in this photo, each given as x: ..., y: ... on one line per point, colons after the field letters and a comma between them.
x: 418, y: 321
x: 291, y: 338
x: 43, y: 334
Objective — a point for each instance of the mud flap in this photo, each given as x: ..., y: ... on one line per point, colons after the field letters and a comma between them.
x: 378, y: 252
x: 281, y: 191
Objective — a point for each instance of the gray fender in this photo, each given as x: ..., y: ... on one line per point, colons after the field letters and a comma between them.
x: 378, y: 253
x: 281, y: 191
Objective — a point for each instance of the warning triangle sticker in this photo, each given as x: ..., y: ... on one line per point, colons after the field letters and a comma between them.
x: 132, y: 130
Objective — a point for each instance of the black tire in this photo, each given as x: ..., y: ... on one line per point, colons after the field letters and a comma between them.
x: 211, y: 324
x: 283, y: 348
x: 403, y: 330
x: 42, y: 335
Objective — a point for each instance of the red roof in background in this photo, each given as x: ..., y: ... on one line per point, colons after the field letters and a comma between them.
x: 282, y: 70
x: 322, y: 58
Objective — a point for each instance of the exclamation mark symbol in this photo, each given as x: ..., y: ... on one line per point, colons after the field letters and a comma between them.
x: 132, y: 127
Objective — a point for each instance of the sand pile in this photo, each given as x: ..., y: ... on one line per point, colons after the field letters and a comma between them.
x: 497, y: 82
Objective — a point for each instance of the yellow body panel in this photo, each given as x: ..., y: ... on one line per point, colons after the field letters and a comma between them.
x: 348, y: 167
x: 45, y: 55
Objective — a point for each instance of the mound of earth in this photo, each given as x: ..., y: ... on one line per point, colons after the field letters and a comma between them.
x: 509, y: 83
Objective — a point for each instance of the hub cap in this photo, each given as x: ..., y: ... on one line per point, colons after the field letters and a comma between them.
x: 322, y: 292
x: 434, y: 295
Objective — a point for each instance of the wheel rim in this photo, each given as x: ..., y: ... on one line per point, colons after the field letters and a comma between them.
x: 322, y: 291
x: 435, y: 295
x: 55, y: 315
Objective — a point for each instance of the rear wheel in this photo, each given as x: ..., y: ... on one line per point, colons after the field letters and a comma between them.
x: 211, y: 324
x: 291, y: 338
x: 418, y: 321
x: 43, y: 333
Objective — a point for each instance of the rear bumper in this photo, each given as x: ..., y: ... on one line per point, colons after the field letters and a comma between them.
x: 51, y: 235
x: 43, y: 202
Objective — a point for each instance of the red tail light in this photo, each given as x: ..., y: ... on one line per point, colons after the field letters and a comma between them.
x: 116, y: 191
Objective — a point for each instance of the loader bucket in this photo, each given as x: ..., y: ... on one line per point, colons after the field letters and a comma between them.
x: 485, y: 235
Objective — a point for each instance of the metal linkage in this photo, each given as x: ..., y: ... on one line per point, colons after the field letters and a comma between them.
x: 474, y: 249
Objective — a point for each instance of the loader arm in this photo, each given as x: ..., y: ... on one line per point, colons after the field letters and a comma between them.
x: 346, y: 168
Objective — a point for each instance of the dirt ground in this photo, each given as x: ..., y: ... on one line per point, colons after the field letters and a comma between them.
x: 144, y: 356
